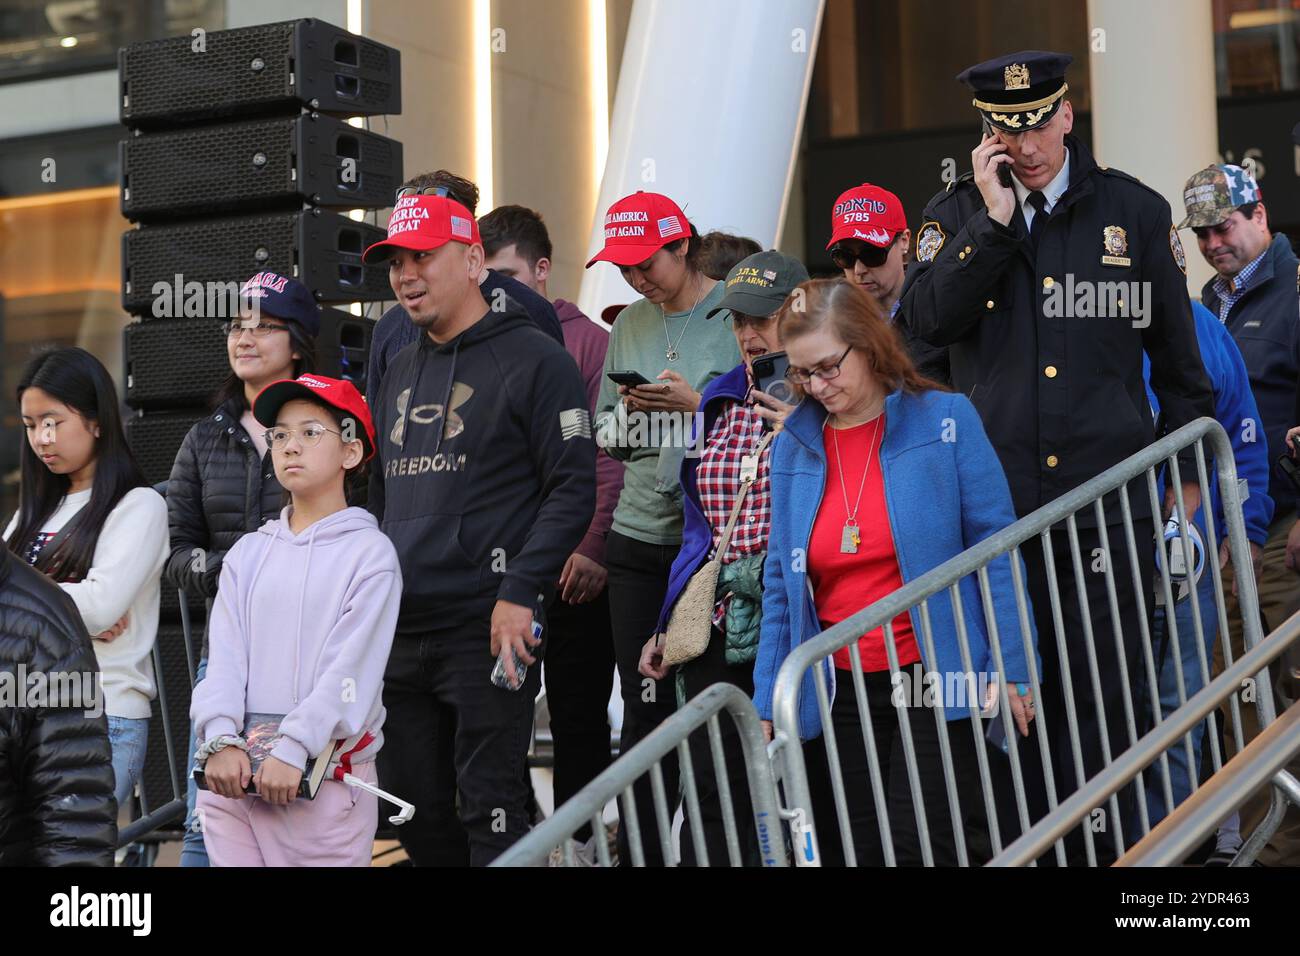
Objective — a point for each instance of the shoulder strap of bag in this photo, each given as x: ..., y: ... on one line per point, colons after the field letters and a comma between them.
x: 740, y: 500
x: 62, y: 535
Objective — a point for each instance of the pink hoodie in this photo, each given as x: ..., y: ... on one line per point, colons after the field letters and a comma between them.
x: 302, y: 626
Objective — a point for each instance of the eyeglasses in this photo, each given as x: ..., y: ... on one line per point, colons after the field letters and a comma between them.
x: 824, y: 372
x: 873, y: 257
x: 310, y: 435
x: 442, y: 191
x: 260, y: 331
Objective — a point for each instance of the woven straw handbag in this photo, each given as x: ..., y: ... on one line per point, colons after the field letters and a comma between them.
x: 691, y: 624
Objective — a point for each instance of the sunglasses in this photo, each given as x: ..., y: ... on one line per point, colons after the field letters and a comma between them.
x: 405, y: 191
x: 873, y: 257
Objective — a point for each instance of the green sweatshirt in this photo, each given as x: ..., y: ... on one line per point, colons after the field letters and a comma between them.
x: 649, y: 506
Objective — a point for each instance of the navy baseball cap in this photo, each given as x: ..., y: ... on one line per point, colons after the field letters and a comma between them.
x: 283, y: 298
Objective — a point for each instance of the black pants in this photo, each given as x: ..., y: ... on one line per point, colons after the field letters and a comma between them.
x: 451, y: 733
x: 708, y: 669
x: 638, y: 583
x: 886, y: 728
x: 1087, y: 707
x: 579, y: 678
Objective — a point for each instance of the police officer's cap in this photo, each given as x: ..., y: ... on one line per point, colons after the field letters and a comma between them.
x: 1019, y: 91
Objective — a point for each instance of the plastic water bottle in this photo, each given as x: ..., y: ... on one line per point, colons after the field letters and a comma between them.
x: 499, y: 675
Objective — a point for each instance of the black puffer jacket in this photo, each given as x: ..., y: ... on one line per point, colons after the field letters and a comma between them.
x: 56, y: 765
x: 218, y: 492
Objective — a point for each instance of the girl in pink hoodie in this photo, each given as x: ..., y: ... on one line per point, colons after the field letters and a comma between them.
x: 301, y: 629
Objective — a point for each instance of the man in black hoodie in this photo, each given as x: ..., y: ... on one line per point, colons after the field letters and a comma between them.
x: 484, y: 508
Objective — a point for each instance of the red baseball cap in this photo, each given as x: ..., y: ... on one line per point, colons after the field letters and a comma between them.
x: 337, y: 394
x: 869, y: 213
x: 423, y: 223
x: 638, y: 226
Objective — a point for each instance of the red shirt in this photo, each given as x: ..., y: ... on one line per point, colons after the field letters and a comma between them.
x: 844, y: 584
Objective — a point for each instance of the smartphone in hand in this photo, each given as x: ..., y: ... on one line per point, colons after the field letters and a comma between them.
x: 628, y: 378
x: 1004, y: 169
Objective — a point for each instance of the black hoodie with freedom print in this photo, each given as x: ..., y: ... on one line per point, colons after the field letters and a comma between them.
x: 486, y: 501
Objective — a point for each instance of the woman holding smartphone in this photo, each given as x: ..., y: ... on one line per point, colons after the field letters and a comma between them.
x: 664, y: 336
x: 738, y: 423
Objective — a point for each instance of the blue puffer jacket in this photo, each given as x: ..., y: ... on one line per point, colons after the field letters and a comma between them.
x: 945, y: 491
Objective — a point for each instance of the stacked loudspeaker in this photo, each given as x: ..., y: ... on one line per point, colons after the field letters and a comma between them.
x: 240, y: 160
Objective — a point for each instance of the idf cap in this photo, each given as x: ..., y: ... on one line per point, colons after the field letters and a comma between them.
x: 1212, y: 195
x: 638, y: 226
x: 869, y: 213
x: 283, y: 298
x: 758, y: 284
x: 1019, y: 91
x: 340, y: 395
x: 422, y: 223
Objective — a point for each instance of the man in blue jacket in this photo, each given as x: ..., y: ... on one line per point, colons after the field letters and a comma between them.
x: 1254, y: 296
x: 1234, y: 407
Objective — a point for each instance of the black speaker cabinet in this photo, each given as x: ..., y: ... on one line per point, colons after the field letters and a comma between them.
x: 321, y: 249
x: 259, y: 165
x: 257, y: 70
x: 155, y: 438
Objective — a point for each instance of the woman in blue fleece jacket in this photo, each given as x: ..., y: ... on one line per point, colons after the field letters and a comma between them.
x: 840, y: 542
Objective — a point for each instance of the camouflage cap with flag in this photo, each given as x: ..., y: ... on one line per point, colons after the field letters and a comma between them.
x: 1212, y: 195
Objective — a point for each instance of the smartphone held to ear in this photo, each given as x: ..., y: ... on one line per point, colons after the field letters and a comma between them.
x: 1004, y: 169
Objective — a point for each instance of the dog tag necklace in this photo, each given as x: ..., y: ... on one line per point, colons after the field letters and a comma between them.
x: 672, y: 353
x: 851, y: 537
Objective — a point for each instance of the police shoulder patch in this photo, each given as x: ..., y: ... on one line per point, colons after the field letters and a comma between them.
x: 930, y: 241
x: 1176, y: 249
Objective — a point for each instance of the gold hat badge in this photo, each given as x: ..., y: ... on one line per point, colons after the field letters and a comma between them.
x: 1016, y: 77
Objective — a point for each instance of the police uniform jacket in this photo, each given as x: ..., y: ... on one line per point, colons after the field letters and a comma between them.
x: 1048, y: 343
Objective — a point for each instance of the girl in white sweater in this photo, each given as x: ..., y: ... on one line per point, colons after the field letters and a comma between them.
x: 87, y: 518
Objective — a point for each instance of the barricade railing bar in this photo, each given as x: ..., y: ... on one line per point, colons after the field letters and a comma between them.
x: 588, y: 806
x: 1171, y: 840
x: 1081, y: 728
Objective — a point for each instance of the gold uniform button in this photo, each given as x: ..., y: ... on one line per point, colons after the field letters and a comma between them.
x: 961, y: 255
x: 1048, y: 282
x: 1052, y: 461
x: 988, y: 304
x: 1050, y: 371
x: 967, y: 249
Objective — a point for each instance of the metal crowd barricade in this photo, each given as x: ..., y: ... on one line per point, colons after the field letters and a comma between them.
x: 588, y: 806
x: 788, y: 753
x: 1259, y: 763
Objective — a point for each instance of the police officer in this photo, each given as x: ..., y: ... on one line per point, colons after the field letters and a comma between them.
x: 1047, y: 276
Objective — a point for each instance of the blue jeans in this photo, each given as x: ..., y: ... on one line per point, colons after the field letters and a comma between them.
x: 1167, y: 663
x: 128, y: 737
x: 193, y: 852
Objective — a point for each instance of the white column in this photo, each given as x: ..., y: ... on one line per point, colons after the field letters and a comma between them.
x: 1154, y: 113
x: 710, y: 103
